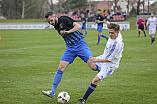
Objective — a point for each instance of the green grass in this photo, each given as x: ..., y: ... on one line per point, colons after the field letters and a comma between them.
x: 30, y: 58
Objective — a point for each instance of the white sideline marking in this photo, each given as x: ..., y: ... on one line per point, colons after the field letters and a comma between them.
x: 58, y: 46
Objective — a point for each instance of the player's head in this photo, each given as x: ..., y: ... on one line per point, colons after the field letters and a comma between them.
x: 51, y: 18
x: 113, y: 30
x: 152, y: 15
x: 139, y: 17
x: 82, y: 15
x: 98, y: 12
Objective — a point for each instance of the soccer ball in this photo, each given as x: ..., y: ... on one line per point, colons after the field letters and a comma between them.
x: 63, y: 97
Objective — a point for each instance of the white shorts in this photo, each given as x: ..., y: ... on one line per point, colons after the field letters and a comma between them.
x: 152, y: 31
x: 105, y: 71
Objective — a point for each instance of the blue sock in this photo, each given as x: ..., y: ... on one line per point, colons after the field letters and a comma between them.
x: 56, y: 80
x: 90, y: 89
x: 99, y: 39
x: 152, y: 39
x: 86, y: 32
x: 104, y: 36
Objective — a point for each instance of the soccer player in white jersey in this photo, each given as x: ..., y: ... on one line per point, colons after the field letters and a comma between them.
x: 152, y: 22
x: 108, y: 61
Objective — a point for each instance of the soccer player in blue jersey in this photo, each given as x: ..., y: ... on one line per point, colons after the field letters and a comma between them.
x: 75, y: 46
x: 83, y: 26
x: 100, y: 20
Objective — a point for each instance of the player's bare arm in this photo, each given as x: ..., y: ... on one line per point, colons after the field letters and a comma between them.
x: 93, y: 59
x: 75, y: 28
x: 100, y: 21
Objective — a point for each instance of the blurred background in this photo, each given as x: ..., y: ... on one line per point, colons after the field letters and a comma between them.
x: 35, y: 9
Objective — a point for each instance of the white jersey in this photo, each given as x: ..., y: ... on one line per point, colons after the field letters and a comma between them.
x: 151, y: 21
x: 112, y: 52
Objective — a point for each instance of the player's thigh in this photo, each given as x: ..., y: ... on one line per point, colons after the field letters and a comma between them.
x: 152, y: 31
x: 142, y: 28
x: 105, y: 71
x: 84, y: 52
x: 99, y: 29
x: 68, y: 56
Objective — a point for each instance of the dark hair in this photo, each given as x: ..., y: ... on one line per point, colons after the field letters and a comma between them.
x: 99, y: 10
x: 114, y: 26
x: 48, y: 14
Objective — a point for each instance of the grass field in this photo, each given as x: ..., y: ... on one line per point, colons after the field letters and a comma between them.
x: 30, y: 58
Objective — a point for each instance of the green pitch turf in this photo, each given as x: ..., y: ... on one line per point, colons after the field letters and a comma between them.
x: 29, y: 60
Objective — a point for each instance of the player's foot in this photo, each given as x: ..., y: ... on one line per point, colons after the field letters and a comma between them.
x: 139, y: 36
x: 153, y: 39
x: 81, y: 101
x: 48, y: 93
x: 145, y: 35
x: 97, y: 43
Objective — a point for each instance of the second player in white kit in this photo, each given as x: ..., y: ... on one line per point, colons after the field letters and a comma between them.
x: 108, y: 61
x: 112, y: 52
x: 152, y: 22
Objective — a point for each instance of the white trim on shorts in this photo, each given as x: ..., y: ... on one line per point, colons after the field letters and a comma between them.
x: 105, y: 71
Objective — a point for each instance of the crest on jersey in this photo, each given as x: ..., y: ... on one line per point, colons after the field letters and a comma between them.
x: 60, y: 25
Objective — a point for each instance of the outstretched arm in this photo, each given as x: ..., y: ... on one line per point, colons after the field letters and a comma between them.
x: 93, y: 59
x: 75, y: 28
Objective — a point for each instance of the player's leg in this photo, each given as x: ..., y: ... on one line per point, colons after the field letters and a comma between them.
x: 143, y: 31
x: 99, y: 34
x: 86, y: 31
x: 81, y: 30
x: 99, y: 37
x: 89, y: 91
x: 152, y: 32
x: 139, y: 33
x: 104, y: 36
x: 85, y: 53
x: 68, y: 57
x: 57, y: 78
x: 105, y: 71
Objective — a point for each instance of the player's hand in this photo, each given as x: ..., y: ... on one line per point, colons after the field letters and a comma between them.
x: 98, y: 21
x: 64, y: 32
x: 107, y: 22
x: 92, y: 59
x: 104, y: 21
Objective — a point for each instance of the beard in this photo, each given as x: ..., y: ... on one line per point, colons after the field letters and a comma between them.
x: 55, y: 22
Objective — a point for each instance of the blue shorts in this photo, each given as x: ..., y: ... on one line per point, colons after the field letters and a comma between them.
x: 99, y: 29
x: 83, y: 26
x: 81, y: 50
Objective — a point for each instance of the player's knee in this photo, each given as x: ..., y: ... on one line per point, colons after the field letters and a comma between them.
x: 92, y: 65
x: 95, y: 81
x: 60, y: 67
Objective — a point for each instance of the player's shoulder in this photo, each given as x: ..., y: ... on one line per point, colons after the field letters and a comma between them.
x: 65, y: 17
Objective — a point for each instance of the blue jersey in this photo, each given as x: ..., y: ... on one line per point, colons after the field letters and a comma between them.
x: 99, y: 18
x: 71, y: 39
x: 83, y: 19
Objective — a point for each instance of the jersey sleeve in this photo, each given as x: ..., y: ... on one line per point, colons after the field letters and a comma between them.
x: 148, y: 21
x: 114, y: 51
x: 156, y: 20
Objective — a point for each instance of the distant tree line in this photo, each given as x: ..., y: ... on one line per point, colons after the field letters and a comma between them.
x: 30, y: 9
